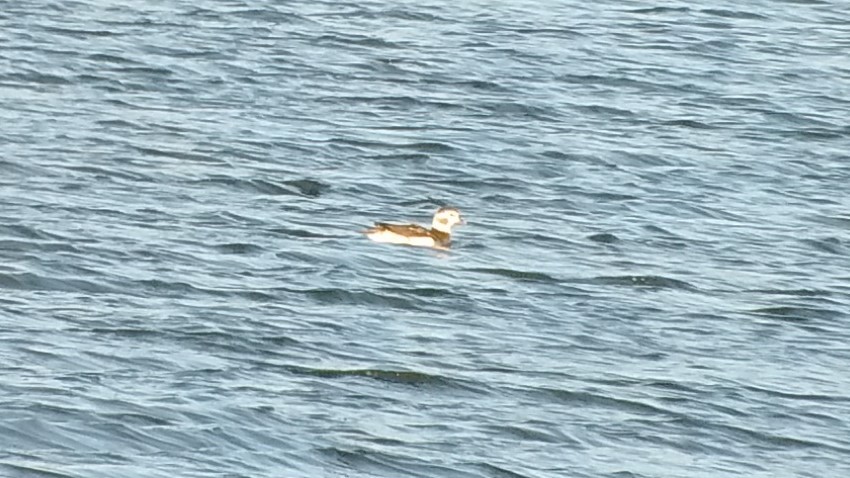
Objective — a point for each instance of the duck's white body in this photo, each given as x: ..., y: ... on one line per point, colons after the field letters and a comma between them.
x: 439, y: 236
x: 390, y: 237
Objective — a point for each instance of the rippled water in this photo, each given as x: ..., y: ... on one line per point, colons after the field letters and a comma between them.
x: 655, y: 280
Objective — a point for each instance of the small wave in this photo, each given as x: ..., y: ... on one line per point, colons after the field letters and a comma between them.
x: 180, y: 155
x: 33, y: 471
x: 415, y: 158
x: 80, y: 33
x: 401, y: 377
x: 686, y: 123
x: 659, y: 230
x: 123, y: 332
x: 167, y: 288
x: 796, y: 396
x: 35, y: 77
x: 792, y: 313
x: 353, y: 297
x: 374, y: 463
x: 604, y: 238
x: 429, y: 147
x: 28, y: 232
x: 819, y: 133
x: 421, y: 291
x: 226, y: 340
x: 110, y: 173
x: 483, y: 85
x: 605, y: 111
x: 550, y: 32
x: 269, y: 16
x: 111, y: 59
x: 300, y: 233
x: 307, y: 187
x: 422, y: 147
x: 238, y: 248
x: 619, y: 82
x: 145, y: 70
x: 593, y: 399
x: 30, y: 281
x: 762, y: 437
x: 659, y: 10
x: 733, y: 14
x: 355, y: 40
x: 266, y: 187
x: 298, y: 187
x: 831, y: 245
x: 653, y: 282
x: 670, y: 386
x: 541, y: 113
x: 139, y: 419
x: 519, y: 275
x: 255, y: 295
x: 837, y: 220
x: 398, y: 14
x: 794, y: 292
x: 582, y: 158
x: 524, y: 433
x: 494, y: 471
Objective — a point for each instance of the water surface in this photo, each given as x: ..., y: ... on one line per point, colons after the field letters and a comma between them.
x: 654, y: 281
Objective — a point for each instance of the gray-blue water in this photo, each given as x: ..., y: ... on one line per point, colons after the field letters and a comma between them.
x: 654, y: 280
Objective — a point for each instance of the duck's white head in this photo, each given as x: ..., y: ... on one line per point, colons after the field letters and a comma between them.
x: 445, y: 218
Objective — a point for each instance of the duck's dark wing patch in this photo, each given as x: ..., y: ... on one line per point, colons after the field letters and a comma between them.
x: 402, y: 229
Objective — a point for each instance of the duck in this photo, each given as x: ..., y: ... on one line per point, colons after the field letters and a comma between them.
x: 438, y: 237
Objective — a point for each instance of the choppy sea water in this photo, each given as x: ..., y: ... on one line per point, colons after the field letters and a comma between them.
x: 654, y: 280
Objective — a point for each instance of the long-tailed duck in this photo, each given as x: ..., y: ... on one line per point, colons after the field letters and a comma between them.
x: 439, y: 236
